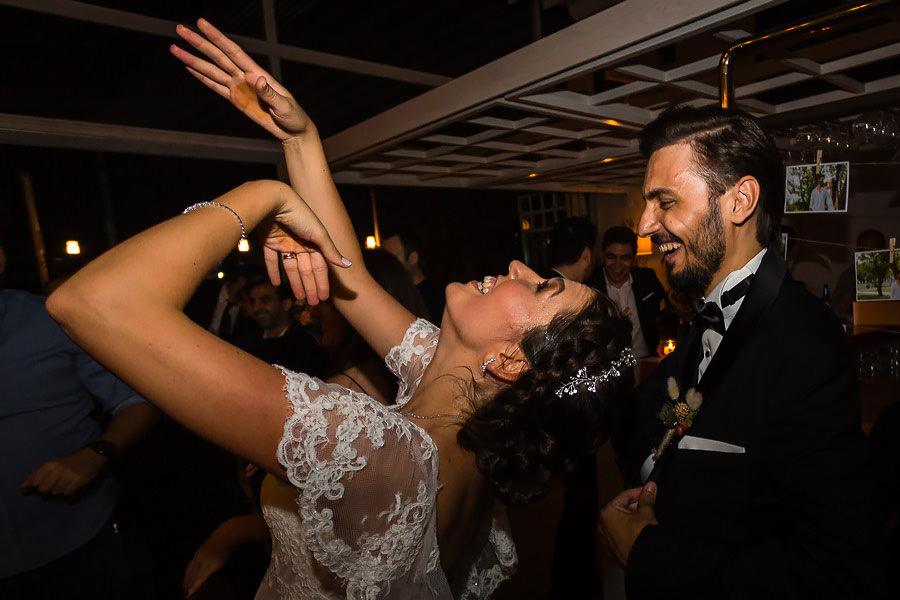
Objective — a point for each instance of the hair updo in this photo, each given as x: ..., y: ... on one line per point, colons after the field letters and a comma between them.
x: 526, y: 436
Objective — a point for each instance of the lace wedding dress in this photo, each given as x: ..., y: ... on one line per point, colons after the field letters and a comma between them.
x: 360, y: 519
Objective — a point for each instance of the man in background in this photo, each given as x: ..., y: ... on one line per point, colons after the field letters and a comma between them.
x: 406, y: 245
x: 572, y: 249
x: 280, y: 340
x: 64, y: 420
x: 635, y: 290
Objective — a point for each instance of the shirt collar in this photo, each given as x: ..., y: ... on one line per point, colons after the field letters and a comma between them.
x: 734, y: 278
x: 610, y: 286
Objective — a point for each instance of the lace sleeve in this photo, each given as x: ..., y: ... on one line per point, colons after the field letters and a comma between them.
x: 410, y: 359
x: 367, y: 483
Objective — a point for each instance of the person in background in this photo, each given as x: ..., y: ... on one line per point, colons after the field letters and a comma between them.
x: 752, y: 474
x: 64, y: 421
x: 406, y: 245
x: 280, y: 339
x: 572, y: 249
x: 635, y: 290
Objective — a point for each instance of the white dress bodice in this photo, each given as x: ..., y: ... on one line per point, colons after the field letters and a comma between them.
x: 363, y: 524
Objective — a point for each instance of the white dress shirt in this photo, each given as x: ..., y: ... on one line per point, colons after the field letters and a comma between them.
x: 712, y: 338
x: 624, y: 298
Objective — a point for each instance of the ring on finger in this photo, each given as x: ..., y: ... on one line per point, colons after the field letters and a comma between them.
x: 288, y: 256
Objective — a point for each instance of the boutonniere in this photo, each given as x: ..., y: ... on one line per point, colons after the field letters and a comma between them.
x: 678, y: 414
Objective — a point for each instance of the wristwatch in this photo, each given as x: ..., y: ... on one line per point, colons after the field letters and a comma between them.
x: 104, y: 448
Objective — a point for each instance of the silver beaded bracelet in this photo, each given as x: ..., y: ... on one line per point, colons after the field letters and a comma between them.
x: 228, y: 208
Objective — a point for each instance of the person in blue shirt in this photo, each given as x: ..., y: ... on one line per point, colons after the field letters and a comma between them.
x: 63, y: 418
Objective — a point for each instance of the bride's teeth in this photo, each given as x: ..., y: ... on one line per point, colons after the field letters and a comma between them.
x: 485, y: 284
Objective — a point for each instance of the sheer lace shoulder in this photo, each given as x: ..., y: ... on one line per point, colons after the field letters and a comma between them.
x: 409, y: 360
x: 367, y: 483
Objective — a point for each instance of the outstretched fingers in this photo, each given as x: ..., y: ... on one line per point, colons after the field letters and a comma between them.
x: 233, y: 53
x: 209, y: 50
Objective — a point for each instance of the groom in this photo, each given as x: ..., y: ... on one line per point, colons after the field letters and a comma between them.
x: 763, y: 491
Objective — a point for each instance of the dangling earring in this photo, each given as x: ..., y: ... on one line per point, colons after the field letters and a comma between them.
x: 484, y: 366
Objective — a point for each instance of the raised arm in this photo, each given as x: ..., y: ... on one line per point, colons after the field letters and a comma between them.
x: 232, y: 74
x: 125, y: 309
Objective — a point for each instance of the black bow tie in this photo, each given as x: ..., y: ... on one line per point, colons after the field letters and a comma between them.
x: 709, y: 315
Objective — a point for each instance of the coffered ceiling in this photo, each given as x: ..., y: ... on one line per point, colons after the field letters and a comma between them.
x: 558, y: 114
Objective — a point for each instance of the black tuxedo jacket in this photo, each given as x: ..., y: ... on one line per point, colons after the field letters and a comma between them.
x: 648, y: 293
x: 775, y: 500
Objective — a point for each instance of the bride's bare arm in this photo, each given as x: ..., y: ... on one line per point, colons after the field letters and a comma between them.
x: 232, y: 74
x: 125, y: 309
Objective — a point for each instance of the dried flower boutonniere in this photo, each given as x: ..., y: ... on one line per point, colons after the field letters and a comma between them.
x: 678, y: 414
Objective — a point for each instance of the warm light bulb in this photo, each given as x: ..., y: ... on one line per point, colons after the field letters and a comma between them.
x: 244, y: 246
x: 72, y: 247
x: 220, y: 275
x: 644, y: 246
x: 370, y: 241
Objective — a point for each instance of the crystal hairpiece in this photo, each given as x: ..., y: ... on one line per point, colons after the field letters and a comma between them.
x: 582, y: 380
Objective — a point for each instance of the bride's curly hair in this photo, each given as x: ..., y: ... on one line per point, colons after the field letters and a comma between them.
x: 526, y: 436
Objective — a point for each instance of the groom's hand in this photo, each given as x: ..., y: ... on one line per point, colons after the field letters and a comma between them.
x: 626, y: 515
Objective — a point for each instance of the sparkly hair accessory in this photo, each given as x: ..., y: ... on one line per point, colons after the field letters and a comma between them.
x: 583, y: 380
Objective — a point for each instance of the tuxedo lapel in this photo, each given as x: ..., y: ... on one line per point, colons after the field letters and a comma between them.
x: 769, y: 279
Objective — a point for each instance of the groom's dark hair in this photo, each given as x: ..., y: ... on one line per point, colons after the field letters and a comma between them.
x: 727, y: 144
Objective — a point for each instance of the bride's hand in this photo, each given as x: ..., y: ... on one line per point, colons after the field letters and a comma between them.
x: 235, y: 76
x: 295, y: 237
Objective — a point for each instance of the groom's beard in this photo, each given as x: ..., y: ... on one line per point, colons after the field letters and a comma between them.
x: 703, y: 254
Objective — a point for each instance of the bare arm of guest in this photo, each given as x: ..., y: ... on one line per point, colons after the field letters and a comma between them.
x: 125, y: 309
x: 220, y: 545
x: 232, y: 74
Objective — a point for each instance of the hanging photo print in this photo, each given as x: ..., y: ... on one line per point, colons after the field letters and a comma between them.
x: 877, y: 275
x: 825, y: 190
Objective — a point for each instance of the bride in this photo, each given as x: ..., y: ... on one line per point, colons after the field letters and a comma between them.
x: 403, y: 501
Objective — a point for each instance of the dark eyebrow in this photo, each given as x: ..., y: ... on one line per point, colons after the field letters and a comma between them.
x: 561, y: 287
x: 655, y: 193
